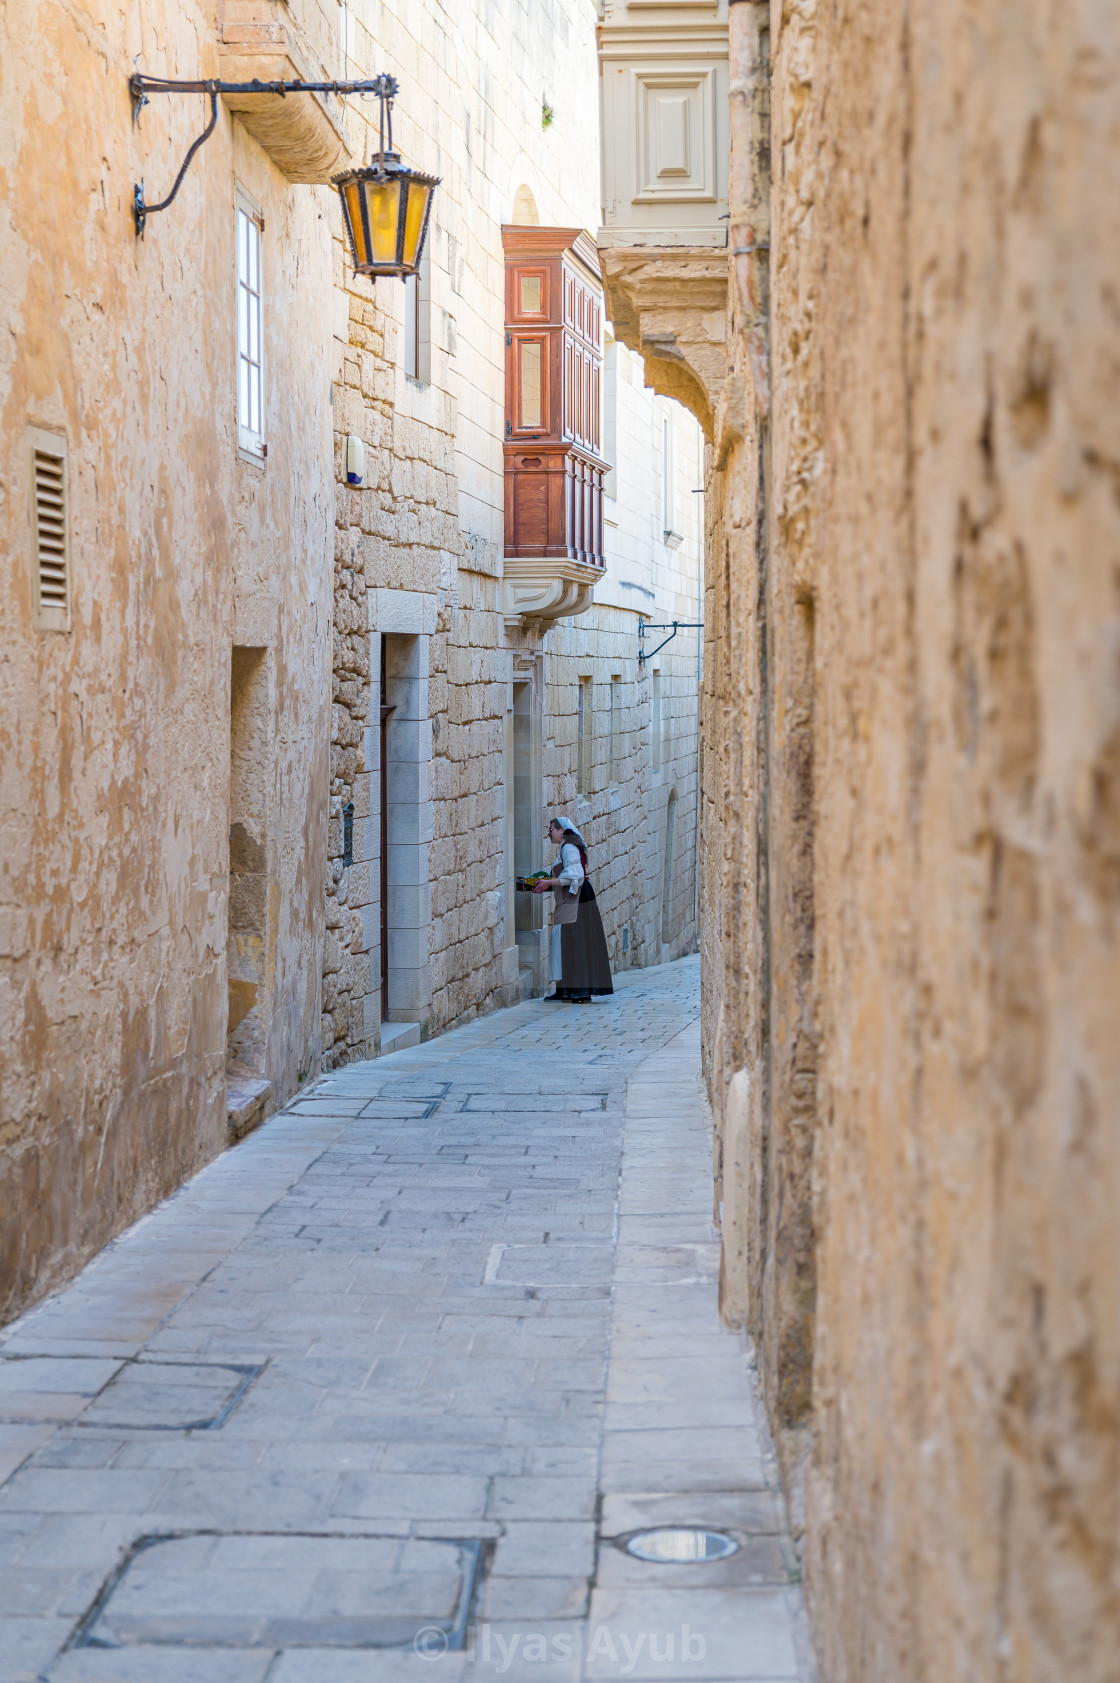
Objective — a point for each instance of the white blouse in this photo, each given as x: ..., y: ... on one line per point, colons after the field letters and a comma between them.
x: 568, y: 868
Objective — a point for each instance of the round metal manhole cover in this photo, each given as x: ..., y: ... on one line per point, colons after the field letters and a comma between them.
x: 681, y: 1545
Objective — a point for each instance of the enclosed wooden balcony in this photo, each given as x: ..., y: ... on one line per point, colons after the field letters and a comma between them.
x: 553, y: 466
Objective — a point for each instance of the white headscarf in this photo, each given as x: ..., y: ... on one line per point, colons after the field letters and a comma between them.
x: 569, y: 829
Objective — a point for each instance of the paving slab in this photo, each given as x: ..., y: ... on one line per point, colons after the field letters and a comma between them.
x: 382, y: 1392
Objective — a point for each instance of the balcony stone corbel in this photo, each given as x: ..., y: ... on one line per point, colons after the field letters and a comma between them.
x: 304, y: 136
x: 540, y: 589
x: 669, y: 304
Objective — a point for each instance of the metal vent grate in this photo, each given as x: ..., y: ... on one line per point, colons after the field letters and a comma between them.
x: 50, y: 535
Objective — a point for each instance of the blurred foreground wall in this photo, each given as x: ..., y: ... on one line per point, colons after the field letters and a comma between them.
x: 911, y: 899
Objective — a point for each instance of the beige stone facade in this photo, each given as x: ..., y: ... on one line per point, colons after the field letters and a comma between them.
x: 163, y: 737
x: 484, y: 735
x: 191, y: 734
x: 909, y: 887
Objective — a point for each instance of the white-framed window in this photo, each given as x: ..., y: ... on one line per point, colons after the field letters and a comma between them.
x: 655, y: 719
x: 250, y: 354
x: 418, y: 325
x: 345, y: 37
x: 616, y: 729
x: 583, y: 737
x: 669, y: 531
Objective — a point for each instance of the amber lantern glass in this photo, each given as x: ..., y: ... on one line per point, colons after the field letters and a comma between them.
x: 386, y: 207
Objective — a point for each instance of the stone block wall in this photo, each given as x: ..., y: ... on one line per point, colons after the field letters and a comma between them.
x: 421, y: 544
x: 411, y: 489
x: 623, y: 816
x: 153, y: 929
x: 912, y: 922
x: 468, y: 856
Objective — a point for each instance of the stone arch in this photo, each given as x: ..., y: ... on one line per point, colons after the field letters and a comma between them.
x: 525, y: 212
x: 527, y: 200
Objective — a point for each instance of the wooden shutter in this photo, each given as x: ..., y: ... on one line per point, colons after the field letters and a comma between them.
x: 50, y: 530
x: 554, y: 474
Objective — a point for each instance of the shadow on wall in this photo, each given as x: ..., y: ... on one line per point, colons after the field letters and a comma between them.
x: 667, y: 878
x: 247, y: 938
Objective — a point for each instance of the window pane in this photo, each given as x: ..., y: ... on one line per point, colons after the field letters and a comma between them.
x: 254, y: 345
x: 414, y: 219
x: 255, y: 400
x: 531, y: 383
x: 242, y: 392
x: 242, y: 270
x: 384, y: 202
x: 530, y: 295
x: 253, y: 239
x: 354, y: 206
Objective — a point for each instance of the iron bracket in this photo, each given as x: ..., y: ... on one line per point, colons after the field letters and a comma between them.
x: 385, y: 87
x: 671, y: 626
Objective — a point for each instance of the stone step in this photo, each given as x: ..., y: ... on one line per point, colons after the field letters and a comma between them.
x: 396, y: 1036
x: 246, y: 1103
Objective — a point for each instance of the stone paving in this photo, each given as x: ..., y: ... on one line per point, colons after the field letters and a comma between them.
x: 380, y: 1393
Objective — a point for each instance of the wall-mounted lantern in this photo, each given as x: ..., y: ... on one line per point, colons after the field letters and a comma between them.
x: 386, y: 205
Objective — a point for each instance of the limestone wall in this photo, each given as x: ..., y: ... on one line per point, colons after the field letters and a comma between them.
x: 119, y: 778
x: 421, y: 544
x: 912, y: 909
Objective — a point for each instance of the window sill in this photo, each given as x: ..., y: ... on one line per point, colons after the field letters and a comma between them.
x: 254, y: 458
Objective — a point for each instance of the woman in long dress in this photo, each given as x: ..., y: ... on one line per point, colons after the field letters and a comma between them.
x: 577, y: 951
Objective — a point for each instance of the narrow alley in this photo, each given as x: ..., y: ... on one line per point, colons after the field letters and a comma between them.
x: 392, y: 1382
x: 560, y: 814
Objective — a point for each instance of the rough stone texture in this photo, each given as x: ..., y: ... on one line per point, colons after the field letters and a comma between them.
x: 912, y: 890
x: 115, y: 739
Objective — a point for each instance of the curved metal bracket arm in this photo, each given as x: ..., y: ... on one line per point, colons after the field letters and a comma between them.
x: 142, y: 211
x: 645, y: 625
x: 385, y: 87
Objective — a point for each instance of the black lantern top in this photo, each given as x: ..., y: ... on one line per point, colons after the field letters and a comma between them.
x: 386, y: 206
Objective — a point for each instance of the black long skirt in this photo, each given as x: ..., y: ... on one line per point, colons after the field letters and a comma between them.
x: 584, y: 961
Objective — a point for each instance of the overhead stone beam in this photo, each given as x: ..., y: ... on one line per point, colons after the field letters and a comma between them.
x: 669, y: 304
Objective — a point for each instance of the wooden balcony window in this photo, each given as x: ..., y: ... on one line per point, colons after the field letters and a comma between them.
x: 554, y: 353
